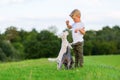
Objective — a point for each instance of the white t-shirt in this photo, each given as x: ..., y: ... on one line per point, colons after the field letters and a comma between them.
x: 77, y: 37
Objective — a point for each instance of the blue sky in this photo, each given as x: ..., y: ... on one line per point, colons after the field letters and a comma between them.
x: 41, y: 14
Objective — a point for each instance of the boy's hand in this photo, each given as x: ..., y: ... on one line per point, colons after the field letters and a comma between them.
x: 76, y: 30
x: 67, y: 22
x: 68, y: 25
x: 82, y: 31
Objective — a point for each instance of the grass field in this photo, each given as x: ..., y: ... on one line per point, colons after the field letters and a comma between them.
x: 95, y: 68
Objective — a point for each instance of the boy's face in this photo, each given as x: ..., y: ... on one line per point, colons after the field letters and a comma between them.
x: 76, y: 18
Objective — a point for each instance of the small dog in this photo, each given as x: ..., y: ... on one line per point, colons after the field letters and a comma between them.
x: 64, y: 56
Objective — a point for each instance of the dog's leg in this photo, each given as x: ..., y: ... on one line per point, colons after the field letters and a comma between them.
x: 59, y: 66
x: 65, y: 65
x: 69, y: 44
x: 69, y: 63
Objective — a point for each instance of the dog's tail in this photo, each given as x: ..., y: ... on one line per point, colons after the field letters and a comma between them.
x: 52, y: 59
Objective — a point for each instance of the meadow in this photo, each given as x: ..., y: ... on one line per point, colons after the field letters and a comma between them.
x: 95, y: 68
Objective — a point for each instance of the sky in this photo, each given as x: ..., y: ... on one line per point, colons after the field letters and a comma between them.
x: 42, y: 14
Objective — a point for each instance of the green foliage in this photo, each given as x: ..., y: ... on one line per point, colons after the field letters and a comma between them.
x: 2, y: 56
x: 105, y: 41
x: 7, y: 50
x: 45, y: 44
x: 11, y: 33
x: 19, y: 45
x: 53, y: 29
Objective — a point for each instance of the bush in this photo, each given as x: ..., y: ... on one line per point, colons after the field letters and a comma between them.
x: 2, y: 56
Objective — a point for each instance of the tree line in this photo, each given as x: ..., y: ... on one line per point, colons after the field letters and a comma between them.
x: 18, y: 45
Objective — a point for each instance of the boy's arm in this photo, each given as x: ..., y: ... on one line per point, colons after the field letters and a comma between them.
x: 82, y: 31
x: 68, y: 25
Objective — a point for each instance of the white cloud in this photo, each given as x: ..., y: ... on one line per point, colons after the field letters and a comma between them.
x: 6, y: 2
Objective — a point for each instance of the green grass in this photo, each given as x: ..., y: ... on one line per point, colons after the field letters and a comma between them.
x: 95, y: 68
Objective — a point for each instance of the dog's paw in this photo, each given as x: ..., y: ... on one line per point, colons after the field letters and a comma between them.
x: 70, y: 45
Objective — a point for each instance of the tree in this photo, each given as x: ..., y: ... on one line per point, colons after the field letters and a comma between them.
x: 2, y: 56
x: 53, y: 29
x: 46, y: 44
x: 10, y: 52
x: 11, y: 33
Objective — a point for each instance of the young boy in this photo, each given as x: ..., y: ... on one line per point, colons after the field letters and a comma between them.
x: 78, y: 32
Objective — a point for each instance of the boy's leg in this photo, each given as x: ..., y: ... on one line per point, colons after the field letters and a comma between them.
x: 76, y: 56
x: 80, y: 53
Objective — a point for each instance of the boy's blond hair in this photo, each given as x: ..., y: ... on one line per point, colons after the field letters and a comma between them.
x: 75, y: 13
